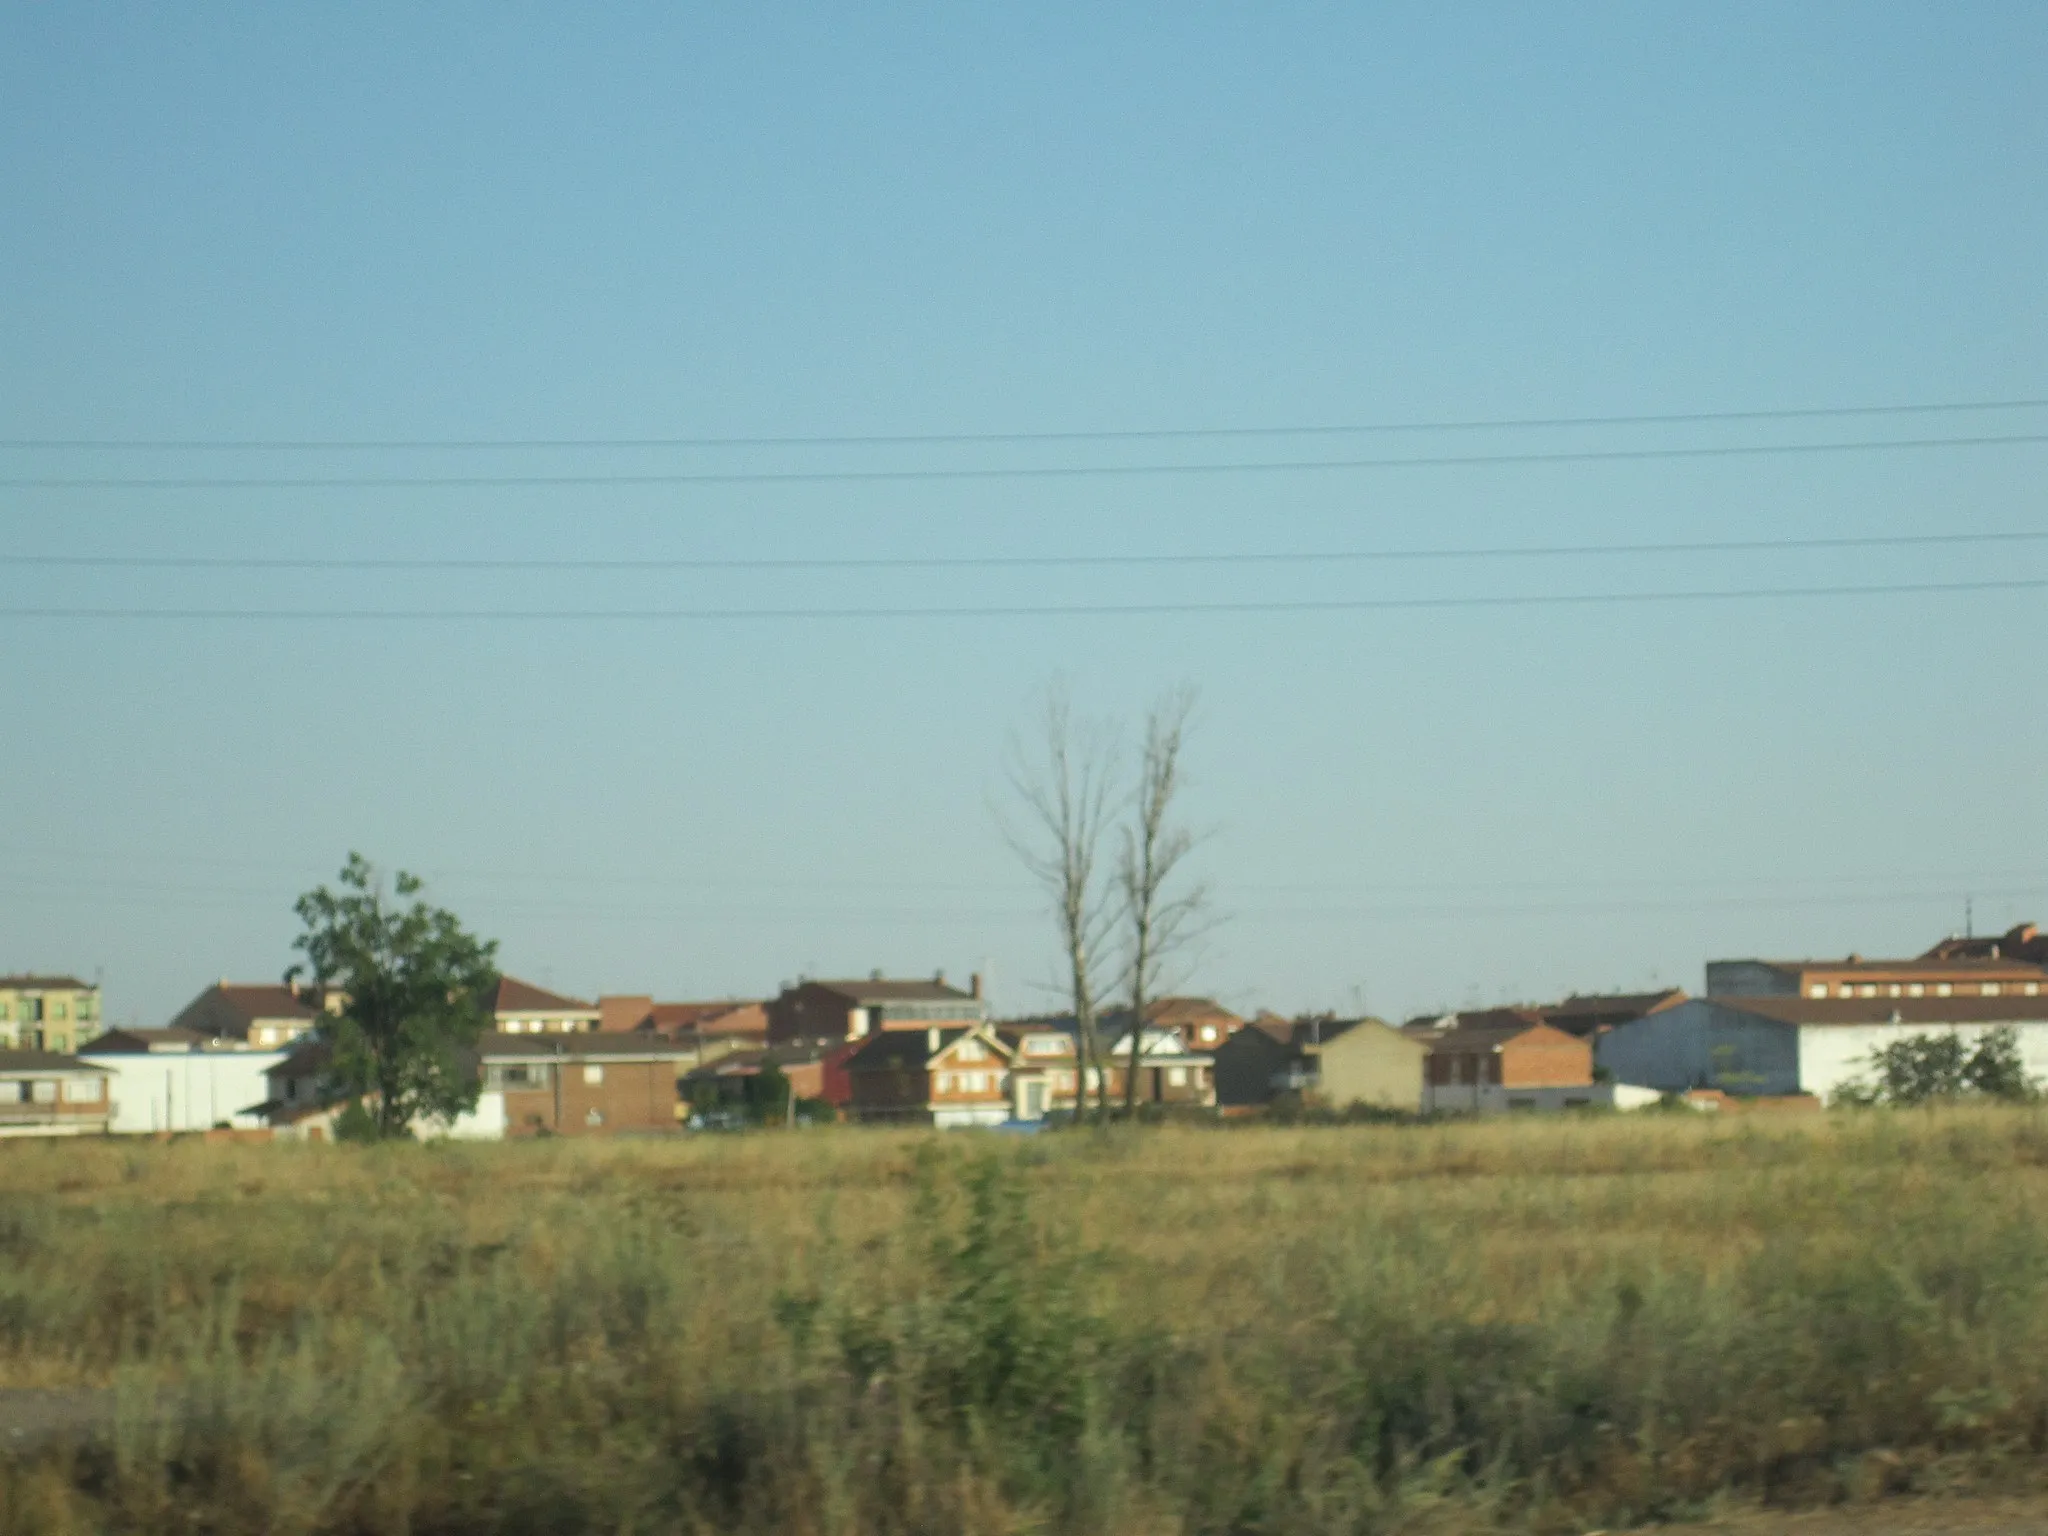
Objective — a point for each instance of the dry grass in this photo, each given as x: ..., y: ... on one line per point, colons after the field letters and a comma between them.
x: 1542, y: 1324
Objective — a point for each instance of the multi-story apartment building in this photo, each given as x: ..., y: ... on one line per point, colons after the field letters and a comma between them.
x: 47, y: 1013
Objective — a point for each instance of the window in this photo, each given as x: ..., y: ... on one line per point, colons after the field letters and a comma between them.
x: 2032, y: 989
x: 945, y: 1082
x: 1893, y: 990
x: 1177, y: 1077
x: 1845, y: 990
x: 1818, y: 989
x: 977, y: 1082
x: 1942, y: 989
x: 593, y: 1073
x: 1990, y: 989
x: 10, y: 1092
x: 1916, y: 989
x: 517, y: 1075
x: 1866, y: 990
x: 1045, y: 1045
x: 45, y: 1090
x: 968, y: 1050
x: 60, y: 1011
x: 1208, y: 1033
x: 81, y: 1090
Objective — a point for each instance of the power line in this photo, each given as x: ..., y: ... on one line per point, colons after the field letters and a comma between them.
x: 921, y: 439
x: 1004, y: 472
x: 1016, y: 610
x: 1007, y: 562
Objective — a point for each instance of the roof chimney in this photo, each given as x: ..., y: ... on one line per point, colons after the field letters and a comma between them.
x: 875, y: 974
x: 939, y: 976
x: 931, y: 1041
x: 974, y: 986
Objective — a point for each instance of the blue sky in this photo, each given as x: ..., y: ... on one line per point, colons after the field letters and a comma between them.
x: 244, y: 223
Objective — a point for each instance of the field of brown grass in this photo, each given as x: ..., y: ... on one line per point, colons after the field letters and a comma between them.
x: 1562, y: 1325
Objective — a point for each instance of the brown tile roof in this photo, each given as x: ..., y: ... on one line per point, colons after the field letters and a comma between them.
x: 1885, y: 1010
x: 516, y: 996
x: 263, y: 1000
x: 45, y: 1061
x: 726, y: 1018
x: 44, y: 984
x: 1602, y: 1004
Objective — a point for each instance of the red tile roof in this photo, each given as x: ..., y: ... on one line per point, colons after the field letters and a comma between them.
x: 516, y: 996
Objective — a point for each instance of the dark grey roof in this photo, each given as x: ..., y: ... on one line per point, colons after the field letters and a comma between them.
x: 45, y: 1061
x: 45, y: 984
x: 880, y: 990
x: 132, y: 1041
x: 2007, y: 1009
x: 901, y: 1048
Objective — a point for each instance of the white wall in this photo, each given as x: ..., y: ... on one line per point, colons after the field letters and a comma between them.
x: 185, y: 1090
x: 1833, y: 1054
x: 1493, y: 1099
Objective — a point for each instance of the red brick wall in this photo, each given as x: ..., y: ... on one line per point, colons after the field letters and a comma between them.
x: 633, y: 1096
x: 1547, y: 1059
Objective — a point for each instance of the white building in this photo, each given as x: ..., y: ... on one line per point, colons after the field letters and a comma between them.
x: 1769, y: 1045
x: 179, y: 1080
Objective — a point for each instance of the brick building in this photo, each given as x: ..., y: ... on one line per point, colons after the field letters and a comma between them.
x: 938, y: 1076
x: 581, y: 1084
x: 44, y: 1093
x: 1504, y: 1058
x: 47, y: 1013
x: 853, y: 1010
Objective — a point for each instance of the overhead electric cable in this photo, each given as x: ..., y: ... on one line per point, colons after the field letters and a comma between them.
x: 1004, y: 562
x: 984, y: 472
x: 922, y: 439
x: 1017, y: 610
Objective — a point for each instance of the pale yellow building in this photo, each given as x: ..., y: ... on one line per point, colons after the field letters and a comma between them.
x: 47, y: 1013
x: 1370, y: 1063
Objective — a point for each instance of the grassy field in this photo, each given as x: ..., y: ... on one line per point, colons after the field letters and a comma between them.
x: 1555, y: 1325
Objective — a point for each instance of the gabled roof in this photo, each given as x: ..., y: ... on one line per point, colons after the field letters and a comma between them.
x: 44, y: 984
x: 247, y: 1002
x: 913, y: 1048
x: 1888, y: 1010
x: 1493, y: 1028
x: 1604, y: 1005
x: 516, y: 996
x: 46, y: 1061
x: 725, y: 1018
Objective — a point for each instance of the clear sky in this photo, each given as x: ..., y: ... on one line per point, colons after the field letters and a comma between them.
x: 518, y: 223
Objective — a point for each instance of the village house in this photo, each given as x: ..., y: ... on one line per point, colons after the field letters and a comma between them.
x: 1202, y: 1023
x: 520, y: 1008
x: 815, y: 1072
x: 1936, y: 976
x: 179, y: 1080
x: 262, y: 1015
x: 1168, y: 1072
x: 562, y: 1084
x: 715, y: 1027
x: 1767, y: 1045
x: 943, y: 1076
x: 1585, y: 1014
x: 1499, y: 1059
x: 46, y: 1093
x: 47, y: 1013
x: 853, y: 1010
x: 1365, y: 1063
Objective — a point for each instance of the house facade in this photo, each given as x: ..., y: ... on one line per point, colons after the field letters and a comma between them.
x: 942, y: 1076
x: 47, y: 1013
x: 582, y: 1084
x: 831, y: 1011
x: 169, y: 1080
x: 1366, y: 1063
x: 1762, y: 1046
x: 262, y: 1015
x: 46, y: 1093
x: 520, y: 1008
x: 1504, y: 1059
x: 1954, y: 976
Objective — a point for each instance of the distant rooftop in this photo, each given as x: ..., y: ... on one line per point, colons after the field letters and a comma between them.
x: 516, y: 996
x: 44, y: 984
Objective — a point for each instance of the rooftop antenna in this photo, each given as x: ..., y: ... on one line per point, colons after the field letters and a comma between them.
x: 1969, y: 917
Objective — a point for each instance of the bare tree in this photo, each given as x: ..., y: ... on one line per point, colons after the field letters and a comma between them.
x: 1160, y: 921
x: 1065, y: 782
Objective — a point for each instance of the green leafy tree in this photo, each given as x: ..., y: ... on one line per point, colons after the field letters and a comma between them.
x: 414, y: 989
x: 1924, y: 1068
